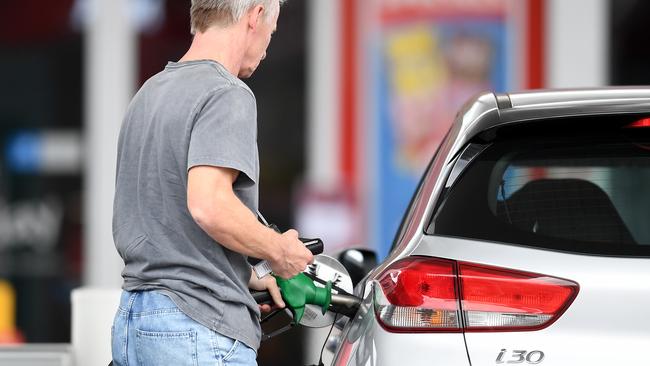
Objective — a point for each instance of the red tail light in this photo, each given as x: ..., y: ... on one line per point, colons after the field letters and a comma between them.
x: 421, y: 294
x: 644, y: 122
x: 498, y: 299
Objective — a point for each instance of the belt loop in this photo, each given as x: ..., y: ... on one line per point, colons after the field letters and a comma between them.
x: 132, y: 298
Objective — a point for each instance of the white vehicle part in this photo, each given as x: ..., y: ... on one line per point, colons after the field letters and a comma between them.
x: 607, y: 324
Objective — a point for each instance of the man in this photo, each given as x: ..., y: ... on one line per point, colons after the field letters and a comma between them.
x: 186, y: 193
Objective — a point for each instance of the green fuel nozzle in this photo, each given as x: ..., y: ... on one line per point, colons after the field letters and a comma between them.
x: 300, y: 290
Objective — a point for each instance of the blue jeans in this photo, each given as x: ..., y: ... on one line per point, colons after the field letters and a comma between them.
x: 149, y: 330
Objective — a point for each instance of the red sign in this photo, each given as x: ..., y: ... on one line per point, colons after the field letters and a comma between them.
x: 400, y: 10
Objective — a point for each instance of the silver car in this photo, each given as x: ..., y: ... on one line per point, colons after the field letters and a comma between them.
x: 527, y: 241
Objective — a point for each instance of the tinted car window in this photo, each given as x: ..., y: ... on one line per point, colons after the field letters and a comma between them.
x: 586, y: 193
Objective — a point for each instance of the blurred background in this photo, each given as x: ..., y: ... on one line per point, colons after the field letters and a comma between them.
x: 353, y: 99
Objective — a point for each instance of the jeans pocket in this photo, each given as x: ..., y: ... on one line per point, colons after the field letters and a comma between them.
x: 225, y: 347
x: 166, y: 348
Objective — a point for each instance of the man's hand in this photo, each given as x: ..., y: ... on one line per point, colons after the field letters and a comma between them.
x: 294, y: 256
x: 266, y: 283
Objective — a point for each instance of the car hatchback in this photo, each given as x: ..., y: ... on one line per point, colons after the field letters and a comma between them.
x: 526, y: 242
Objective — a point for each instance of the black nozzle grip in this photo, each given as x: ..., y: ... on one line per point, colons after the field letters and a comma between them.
x: 262, y: 297
x: 315, y: 246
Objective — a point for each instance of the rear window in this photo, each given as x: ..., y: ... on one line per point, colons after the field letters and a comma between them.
x: 582, y: 189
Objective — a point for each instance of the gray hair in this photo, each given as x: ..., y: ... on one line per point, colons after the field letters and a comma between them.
x: 205, y: 13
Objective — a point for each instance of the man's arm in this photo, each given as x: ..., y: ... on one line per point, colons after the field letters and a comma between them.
x: 217, y: 210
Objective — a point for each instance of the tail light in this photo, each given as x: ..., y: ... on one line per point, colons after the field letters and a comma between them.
x: 419, y: 294
x: 422, y: 294
x: 644, y: 122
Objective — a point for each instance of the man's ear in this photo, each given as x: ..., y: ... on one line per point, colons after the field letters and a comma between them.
x: 255, y: 16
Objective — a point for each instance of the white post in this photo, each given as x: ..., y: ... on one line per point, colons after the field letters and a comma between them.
x: 110, y: 79
x: 323, y: 82
x: 577, y: 43
x: 323, y: 123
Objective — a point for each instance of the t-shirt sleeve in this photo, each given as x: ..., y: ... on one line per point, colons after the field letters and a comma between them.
x: 225, y: 132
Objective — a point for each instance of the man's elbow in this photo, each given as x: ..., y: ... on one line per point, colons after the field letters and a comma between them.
x: 208, y: 217
x: 199, y: 214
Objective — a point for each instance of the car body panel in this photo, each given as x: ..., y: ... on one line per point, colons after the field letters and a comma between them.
x: 606, y: 324
x: 610, y: 311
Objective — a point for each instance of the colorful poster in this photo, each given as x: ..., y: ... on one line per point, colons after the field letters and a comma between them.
x: 433, y: 57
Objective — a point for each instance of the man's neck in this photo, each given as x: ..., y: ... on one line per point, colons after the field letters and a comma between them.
x: 224, y: 45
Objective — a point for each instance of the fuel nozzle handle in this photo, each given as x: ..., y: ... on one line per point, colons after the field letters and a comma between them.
x: 297, y: 292
x: 262, y: 297
x: 300, y: 291
x: 315, y: 246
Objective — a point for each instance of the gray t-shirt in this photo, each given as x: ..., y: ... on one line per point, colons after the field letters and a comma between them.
x: 190, y: 114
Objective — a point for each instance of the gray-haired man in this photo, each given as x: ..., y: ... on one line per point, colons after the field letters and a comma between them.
x: 184, y: 222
